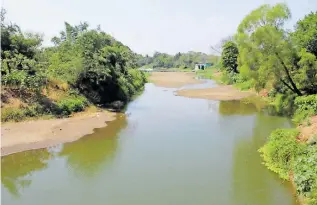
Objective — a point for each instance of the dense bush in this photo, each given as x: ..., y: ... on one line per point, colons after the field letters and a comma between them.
x: 305, y: 171
x: 284, y: 104
x: 305, y: 106
x: 84, y: 64
x: 229, y: 77
x: 280, y: 151
x: 71, y: 104
x: 313, y: 198
x: 284, y: 155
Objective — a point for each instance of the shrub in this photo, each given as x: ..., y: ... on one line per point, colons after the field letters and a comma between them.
x: 12, y: 114
x: 71, y: 104
x: 313, y: 198
x: 228, y: 78
x: 284, y: 104
x: 305, y: 106
x: 19, y: 114
x: 305, y: 171
x: 280, y: 150
x: 245, y: 85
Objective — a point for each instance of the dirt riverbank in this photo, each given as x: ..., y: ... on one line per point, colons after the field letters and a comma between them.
x: 218, y: 93
x: 17, y: 137
x: 179, y: 79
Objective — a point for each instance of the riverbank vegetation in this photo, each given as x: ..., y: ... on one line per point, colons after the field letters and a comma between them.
x: 181, y: 61
x: 266, y: 57
x: 85, y: 67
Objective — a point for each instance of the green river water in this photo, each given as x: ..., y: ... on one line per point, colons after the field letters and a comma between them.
x: 168, y: 150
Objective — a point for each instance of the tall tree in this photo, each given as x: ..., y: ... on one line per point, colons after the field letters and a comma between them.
x: 265, y: 48
x: 229, y: 56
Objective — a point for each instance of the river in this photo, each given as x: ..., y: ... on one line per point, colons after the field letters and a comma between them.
x: 168, y: 150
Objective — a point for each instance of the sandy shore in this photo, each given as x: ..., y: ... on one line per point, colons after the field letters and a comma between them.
x: 179, y: 79
x: 17, y: 137
x: 222, y: 92
x: 173, y: 79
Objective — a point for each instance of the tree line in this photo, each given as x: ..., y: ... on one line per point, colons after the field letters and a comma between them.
x: 87, y: 65
x: 179, y: 60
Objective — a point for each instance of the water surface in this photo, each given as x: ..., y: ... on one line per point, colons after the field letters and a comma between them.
x: 169, y: 150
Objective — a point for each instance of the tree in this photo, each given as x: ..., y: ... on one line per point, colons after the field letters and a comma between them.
x: 305, y: 34
x: 229, y: 56
x: 266, y: 52
x: 19, y: 64
x: 307, y: 74
x: 179, y: 60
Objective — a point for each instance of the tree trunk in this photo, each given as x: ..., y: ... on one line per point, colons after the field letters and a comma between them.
x: 295, y: 89
x: 287, y: 85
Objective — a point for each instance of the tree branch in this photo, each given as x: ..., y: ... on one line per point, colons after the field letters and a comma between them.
x: 295, y: 89
x: 287, y: 85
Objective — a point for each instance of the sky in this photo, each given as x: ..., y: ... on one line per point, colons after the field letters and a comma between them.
x: 147, y: 26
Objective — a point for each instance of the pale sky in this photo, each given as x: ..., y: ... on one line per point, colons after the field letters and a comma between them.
x: 146, y: 25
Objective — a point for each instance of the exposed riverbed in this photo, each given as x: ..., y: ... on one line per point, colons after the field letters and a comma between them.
x: 168, y: 150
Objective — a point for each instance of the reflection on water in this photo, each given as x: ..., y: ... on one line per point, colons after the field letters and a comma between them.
x: 86, y: 155
x: 251, y: 184
x: 16, y: 169
x: 169, y: 150
x: 236, y: 107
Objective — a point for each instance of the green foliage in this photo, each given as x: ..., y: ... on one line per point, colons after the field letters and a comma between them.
x: 283, y: 154
x: 207, y: 73
x: 285, y: 62
x: 280, y: 151
x: 313, y: 198
x: 19, y: 65
x: 305, y: 34
x: 266, y: 52
x: 179, y: 60
x: 230, y: 77
x: 305, y: 169
x: 284, y: 104
x: 71, y: 104
x: 19, y: 114
x: 307, y: 74
x: 97, y: 65
x: 306, y: 106
x: 244, y: 85
x: 100, y: 68
x: 229, y: 56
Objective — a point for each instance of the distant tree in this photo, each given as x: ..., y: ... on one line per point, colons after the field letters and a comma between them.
x: 229, y: 56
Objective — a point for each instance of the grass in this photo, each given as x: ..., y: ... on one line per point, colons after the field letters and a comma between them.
x: 53, y: 101
x: 209, y: 73
x: 246, y: 85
